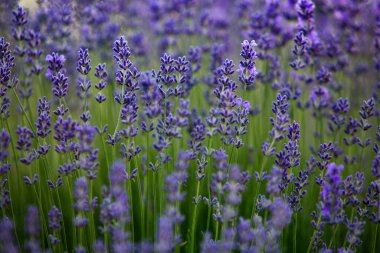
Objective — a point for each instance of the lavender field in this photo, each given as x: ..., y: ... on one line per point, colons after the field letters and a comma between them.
x: 190, y: 126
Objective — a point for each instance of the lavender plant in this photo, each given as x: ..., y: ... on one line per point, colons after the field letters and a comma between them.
x: 189, y: 126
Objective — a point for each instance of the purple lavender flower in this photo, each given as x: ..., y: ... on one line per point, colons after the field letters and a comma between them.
x: 59, y: 25
x: 81, y: 195
x: 274, y: 186
x: 245, y: 235
x: 64, y: 133
x: 55, y: 217
x: 43, y: 121
x: 6, y: 236
x: 338, y: 118
x: 129, y: 152
x: 122, y: 53
x: 323, y: 75
x: 279, y: 122
x: 4, y: 143
x: 19, y: 32
x: 98, y: 247
x: 32, y: 225
x: 24, y: 138
x: 233, y: 190
x: 281, y: 214
x: 83, y: 64
x: 367, y: 111
x: 330, y: 193
x: 208, y: 245
x: 6, y: 65
x: 305, y: 10
x: 220, y: 163
x: 247, y: 66
x: 61, y: 110
x: 82, y: 202
x: 29, y: 181
x: 84, y: 83
x: 66, y: 169
x: 34, y: 53
x: 325, y: 153
x: 114, y: 211
x: 32, y: 228
x: 89, y: 163
x: 195, y: 58
x: 119, y: 208
x: 60, y: 85
x: 300, y: 52
x: 165, y: 238
x: 292, y: 146
x: 356, y: 229
x: 4, y: 194
x: 55, y: 66
x: 102, y: 74
x: 320, y: 97
x: 57, y: 184
x: 85, y: 134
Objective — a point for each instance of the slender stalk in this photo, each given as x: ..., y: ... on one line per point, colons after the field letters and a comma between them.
x: 263, y: 164
x: 313, y: 236
x: 194, y: 222
x: 375, y: 239
x: 23, y: 110
x: 295, y: 233
x: 119, y: 115
x: 17, y: 180
x: 63, y: 221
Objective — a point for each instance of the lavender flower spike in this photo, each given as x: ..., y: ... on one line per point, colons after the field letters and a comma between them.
x: 247, y: 66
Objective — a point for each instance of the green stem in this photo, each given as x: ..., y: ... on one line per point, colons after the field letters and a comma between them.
x: 374, y: 241
x: 314, y: 234
x: 295, y: 233
x: 194, y: 222
x: 119, y: 115
x: 63, y: 221
x: 23, y: 110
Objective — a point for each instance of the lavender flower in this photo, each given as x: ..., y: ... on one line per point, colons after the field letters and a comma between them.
x: 367, y: 111
x: 60, y: 85
x: 83, y: 83
x: 4, y: 143
x: 165, y: 237
x: 34, y: 53
x: 82, y: 202
x: 43, y: 122
x: 338, y: 118
x: 330, y: 193
x: 64, y: 133
x: 279, y: 122
x: 55, y: 66
x: 355, y: 229
x: 32, y: 228
x: 281, y: 215
x: 55, y: 217
x: 6, y: 65
x: 247, y: 66
x: 4, y: 194
x: 300, y: 52
x: 24, y: 139
x: 102, y: 74
x: 121, y: 54
x: 320, y: 97
x: 19, y: 32
x: 6, y: 235
x: 83, y: 64
x: 305, y: 10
